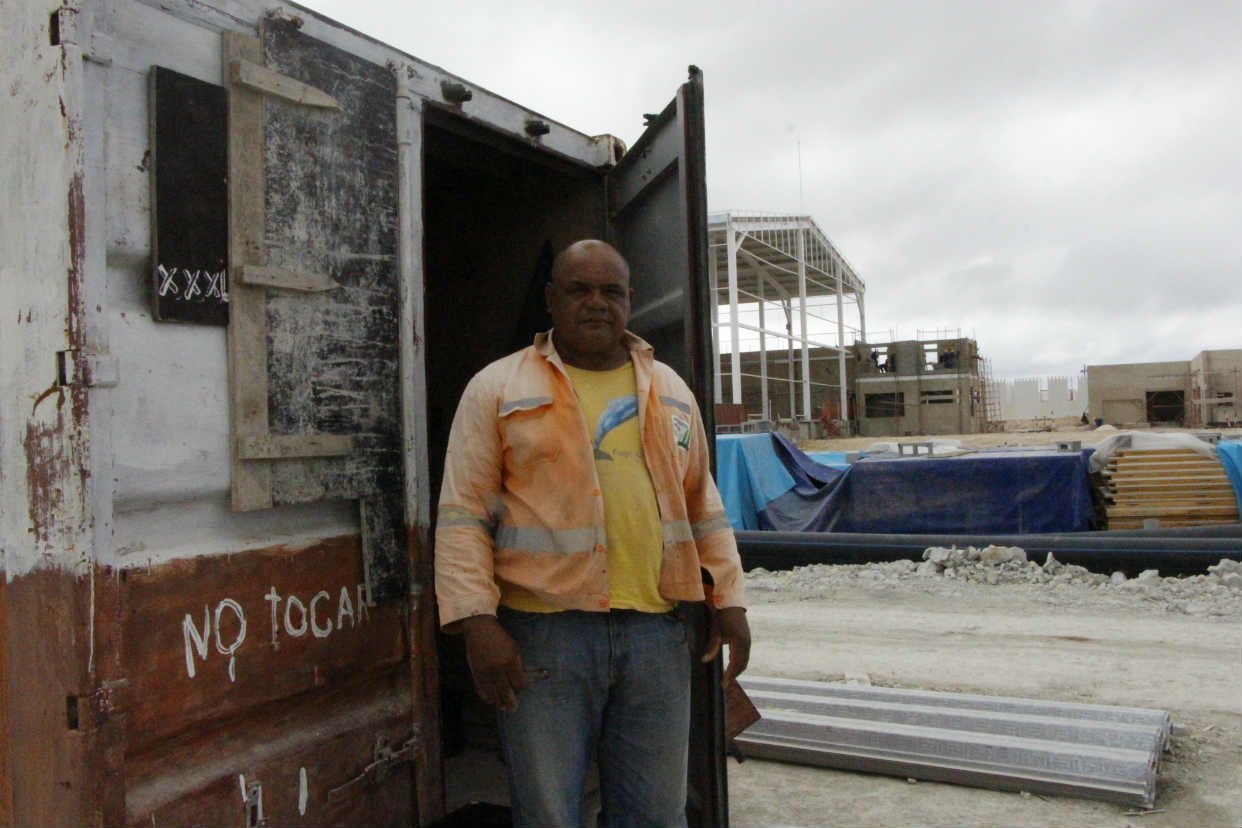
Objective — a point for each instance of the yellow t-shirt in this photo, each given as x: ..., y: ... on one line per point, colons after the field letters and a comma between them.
x: 632, y: 528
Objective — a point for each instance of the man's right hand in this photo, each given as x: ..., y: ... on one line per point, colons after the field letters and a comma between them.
x: 495, y: 662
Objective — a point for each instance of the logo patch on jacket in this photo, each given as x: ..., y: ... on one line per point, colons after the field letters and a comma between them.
x: 681, y: 431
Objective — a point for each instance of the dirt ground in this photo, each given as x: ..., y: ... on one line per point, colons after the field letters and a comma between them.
x: 1072, y: 643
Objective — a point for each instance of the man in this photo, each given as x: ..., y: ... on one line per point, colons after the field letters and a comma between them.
x: 577, y: 509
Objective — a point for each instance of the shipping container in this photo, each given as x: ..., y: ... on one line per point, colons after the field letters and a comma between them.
x: 250, y: 258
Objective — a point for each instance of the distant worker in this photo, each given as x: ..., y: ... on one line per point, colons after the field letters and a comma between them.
x: 577, y: 510
x: 948, y: 357
x: 875, y: 359
x: 1084, y: 419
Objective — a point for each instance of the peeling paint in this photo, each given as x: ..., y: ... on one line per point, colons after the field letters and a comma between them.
x: 46, y: 516
x: 77, y: 255
x: 47, y: 465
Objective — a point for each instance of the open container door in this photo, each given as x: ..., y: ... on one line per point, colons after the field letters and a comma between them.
x: 657, y: 212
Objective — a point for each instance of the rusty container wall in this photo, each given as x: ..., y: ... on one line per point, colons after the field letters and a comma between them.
x: 239, y: 668
x: 45, y: 481
x: 174, y: 649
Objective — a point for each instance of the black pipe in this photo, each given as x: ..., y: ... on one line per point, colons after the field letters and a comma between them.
x: 1220, y: 530
x: 1097, y: 551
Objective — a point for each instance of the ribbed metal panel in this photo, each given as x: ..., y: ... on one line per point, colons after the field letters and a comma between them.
x: 1093, y: 751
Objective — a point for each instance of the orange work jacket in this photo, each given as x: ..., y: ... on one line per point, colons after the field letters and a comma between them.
x: 521, y: 504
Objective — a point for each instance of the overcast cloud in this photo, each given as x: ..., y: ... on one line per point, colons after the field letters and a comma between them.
x: 1061, y: 180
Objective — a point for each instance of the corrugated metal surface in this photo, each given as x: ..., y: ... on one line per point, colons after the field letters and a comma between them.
x: 1092, y: 751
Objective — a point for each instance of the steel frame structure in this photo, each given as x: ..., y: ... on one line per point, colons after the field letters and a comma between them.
x: 762, y: 259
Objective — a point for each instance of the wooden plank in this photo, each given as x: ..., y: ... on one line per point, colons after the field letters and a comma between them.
x: 1182, y: 500
x: 1156, y: 452
x: 259, y: 78
x: 216, y: 637
x: 1168, y: 464
x: 1189, y: 457
x: 1168, y: 523
x: 1171, y: 464
x: 1185, y: 474
x: 250, y: 483
x: 1169, y: 485
x: 1174, y: 511
x: 286, y: 446
x: 286, y: 279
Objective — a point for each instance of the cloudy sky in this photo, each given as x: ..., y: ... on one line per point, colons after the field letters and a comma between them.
x: 1062, y: 181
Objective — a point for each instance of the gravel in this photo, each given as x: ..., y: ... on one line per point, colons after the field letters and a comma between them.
x: 947, y: 570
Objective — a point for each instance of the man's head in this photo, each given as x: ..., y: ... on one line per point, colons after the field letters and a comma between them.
x: 589, y: 301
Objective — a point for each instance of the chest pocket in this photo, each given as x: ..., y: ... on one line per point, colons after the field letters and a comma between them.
x: 530, y: 432
x: 680, y: 421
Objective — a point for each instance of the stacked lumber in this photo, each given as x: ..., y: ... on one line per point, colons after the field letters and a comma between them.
x: 1177, y: 487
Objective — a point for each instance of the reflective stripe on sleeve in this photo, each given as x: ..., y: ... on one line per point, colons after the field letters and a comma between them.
x: 710, y: 525
x: 457, y: 516
x: 677, y: 531
x: 542, y: 539
x: 678, y: 404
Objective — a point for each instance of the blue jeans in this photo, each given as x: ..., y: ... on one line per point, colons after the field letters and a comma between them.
x: 617, y: 687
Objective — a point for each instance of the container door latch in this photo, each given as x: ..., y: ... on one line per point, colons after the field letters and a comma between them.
x: 384, y: 757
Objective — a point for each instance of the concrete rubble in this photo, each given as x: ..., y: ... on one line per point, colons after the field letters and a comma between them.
x: 943, y: 569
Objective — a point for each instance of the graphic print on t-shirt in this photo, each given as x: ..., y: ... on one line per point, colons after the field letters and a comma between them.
x: 615, y: 413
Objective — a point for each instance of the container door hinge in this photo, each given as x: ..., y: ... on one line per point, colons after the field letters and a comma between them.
x: 100, y: 50
x: 384, y: 758
x: 75, y: 368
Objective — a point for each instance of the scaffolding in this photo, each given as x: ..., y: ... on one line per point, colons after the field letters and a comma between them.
x: 992, y: 419
x: 765, y: 263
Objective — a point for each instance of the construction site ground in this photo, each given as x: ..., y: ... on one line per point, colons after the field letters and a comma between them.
x: 1172, y: 644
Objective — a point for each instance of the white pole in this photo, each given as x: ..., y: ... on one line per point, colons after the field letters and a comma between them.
x: 845, y: 411
x: 806, y: 348
x: 717, y: 391
x: 735, y: 364
x: 763, y: 355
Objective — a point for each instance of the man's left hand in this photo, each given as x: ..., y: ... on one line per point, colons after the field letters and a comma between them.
x: 729, y: 627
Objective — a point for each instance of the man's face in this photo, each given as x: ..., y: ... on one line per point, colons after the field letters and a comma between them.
x: 589, y: 301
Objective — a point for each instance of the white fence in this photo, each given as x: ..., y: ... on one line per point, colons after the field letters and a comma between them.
x: 1025, y: 399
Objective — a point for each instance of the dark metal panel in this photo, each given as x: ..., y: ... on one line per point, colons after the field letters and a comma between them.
x: 189, y: 199
x: 658, y: 220
x: 332, y: 208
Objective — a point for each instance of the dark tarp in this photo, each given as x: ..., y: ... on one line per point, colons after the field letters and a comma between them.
x: 988, y: 491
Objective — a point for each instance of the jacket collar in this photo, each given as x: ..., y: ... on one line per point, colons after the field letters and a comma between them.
x: 536, y: 376
x: 633, y: 342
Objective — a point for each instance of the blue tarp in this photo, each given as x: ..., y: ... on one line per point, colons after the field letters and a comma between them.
x: 1004, y: 491
x: 1230, y: 452
x: 829, y: 458
x: 749, y: 475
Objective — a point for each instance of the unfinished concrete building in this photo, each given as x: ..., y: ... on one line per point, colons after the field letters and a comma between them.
x: 923, y: 386
x: 783, y: 292
x: 1040, y: 398
x: 1204, y: 391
